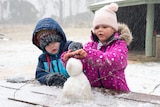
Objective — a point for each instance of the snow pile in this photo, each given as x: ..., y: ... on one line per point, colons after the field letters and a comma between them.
x: 18, y: 78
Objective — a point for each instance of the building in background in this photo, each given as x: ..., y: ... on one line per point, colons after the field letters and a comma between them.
x: 142, y: 17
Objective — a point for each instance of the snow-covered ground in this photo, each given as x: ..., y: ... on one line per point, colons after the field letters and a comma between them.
x: 18, y: 59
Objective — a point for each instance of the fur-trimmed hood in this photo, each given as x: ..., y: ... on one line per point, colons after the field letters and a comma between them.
x: 125, y: 33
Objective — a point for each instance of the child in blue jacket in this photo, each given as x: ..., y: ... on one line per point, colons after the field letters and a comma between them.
x: 49, y: 37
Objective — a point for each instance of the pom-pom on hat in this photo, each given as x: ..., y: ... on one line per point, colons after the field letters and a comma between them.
x: 106, y: 16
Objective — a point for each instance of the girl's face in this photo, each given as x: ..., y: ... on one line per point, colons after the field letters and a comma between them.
x: 103, y: 32
x: 53, y: 47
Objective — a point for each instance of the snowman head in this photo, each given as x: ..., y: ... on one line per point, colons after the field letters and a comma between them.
x: 74, y: 67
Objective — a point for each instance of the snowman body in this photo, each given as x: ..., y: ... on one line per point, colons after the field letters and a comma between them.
x: 77, y: 86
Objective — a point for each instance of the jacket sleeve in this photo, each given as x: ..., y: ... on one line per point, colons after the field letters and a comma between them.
x: 66, y: 49
x: 41, y: 73
x: 115, y: 58
x: 63, y: 62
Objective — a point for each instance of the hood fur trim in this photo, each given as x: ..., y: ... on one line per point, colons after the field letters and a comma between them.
x: 125, y: 33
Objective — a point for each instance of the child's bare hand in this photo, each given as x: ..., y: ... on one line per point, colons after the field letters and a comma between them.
x: 67, y: 55
x: 80, y: 54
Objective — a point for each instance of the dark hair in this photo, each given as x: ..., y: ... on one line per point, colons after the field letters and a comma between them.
x: 94, y: 37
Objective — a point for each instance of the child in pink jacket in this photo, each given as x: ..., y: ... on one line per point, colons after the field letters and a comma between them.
x: 105, y: 57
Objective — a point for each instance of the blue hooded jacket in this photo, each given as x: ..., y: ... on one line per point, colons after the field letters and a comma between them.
x: 49, y: 63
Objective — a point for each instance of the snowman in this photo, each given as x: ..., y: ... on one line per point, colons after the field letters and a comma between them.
x: 77, y: 86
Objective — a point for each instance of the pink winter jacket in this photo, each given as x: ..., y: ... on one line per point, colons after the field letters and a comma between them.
x: 104, y: 66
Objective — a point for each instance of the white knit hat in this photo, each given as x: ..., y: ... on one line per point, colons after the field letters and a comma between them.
x: 106, y: 16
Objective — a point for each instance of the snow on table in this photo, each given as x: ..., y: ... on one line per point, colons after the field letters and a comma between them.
x: 33, y: 93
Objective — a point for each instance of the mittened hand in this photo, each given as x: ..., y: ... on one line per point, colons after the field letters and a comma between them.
x: 56, y: 79
x: 75, y: 46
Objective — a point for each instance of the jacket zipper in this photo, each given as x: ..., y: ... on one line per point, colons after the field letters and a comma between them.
x: 52, y: 67
x: 100, y: 79
x: 57, y: 65
x: 99, y: 74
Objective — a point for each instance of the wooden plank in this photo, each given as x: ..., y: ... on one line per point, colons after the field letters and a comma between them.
x: 8, y: 92
x: 24, y: 101
x: 141, y: 97
x: 133, y: 96
x: 31, y: 94
x: 33, y: 98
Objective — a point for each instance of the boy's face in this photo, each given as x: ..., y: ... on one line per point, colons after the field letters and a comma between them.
x: 52, y: 47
